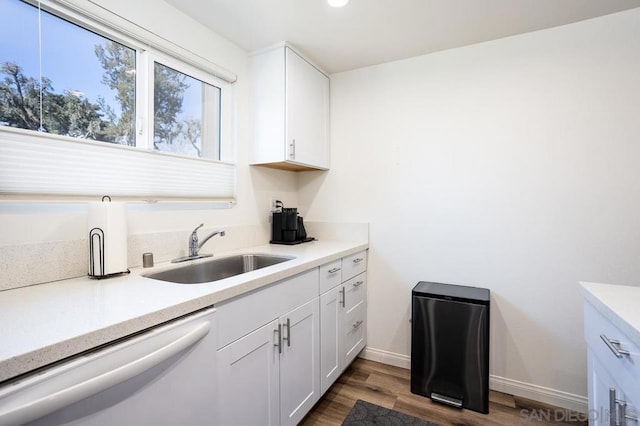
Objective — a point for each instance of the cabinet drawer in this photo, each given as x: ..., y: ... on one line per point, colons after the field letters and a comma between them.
x: 355, y: 331
x: 626, y: 368
x: 354, y: 265
x: 330, y: 275
x: 240, y: 316
x: 355, y: 290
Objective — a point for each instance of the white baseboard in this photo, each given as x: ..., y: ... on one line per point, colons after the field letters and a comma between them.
x: 389, y: 358
x: 501, y: 384
x: 539, y: 393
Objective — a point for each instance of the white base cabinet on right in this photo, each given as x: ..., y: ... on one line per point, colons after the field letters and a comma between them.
x: 613, y: 372
x: 343, y: 329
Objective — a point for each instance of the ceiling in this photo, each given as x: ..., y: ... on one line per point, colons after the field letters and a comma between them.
x: 368, y: 32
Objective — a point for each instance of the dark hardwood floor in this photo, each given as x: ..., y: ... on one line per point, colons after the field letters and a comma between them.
x: 389, y: 387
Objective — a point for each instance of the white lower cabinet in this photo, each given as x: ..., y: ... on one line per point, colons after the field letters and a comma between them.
x: 613, y: 372
x: 342, y: 325
x: 248, y: 380
x: 331, y: 319
x: 270, y: 376
x: 280, y: 348
x: 299, y: 364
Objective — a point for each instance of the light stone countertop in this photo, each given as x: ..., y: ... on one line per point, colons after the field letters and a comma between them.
x: 620, y: 304
x: 45, y: 323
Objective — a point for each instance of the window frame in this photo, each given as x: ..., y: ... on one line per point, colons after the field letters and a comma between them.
x: 225, y: 123
x: 149, y: 47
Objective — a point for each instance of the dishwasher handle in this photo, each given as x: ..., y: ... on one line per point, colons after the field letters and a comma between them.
x: 61, y: 393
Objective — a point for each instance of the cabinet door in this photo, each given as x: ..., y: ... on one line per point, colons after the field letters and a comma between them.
x: 330, y: 330
x: 307, y: 113
x: 602, y: 406
x: 599, y: 384
x: 248, y: 379
x: 355, y: 316
x: 299, y: 363
x: 354, y: 332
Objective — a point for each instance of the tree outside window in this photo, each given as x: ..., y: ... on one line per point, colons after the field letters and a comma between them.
x: 87, y: 88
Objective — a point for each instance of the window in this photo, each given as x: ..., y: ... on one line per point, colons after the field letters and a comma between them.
x: 182, y: 111
x: 64, y: 74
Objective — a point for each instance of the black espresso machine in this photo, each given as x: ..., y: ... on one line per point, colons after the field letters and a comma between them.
x: 287, y: 227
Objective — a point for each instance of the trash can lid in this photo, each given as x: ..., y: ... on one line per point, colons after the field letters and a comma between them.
x: 452, y: 292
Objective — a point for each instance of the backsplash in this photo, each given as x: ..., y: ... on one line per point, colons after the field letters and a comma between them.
x: 27, y: 264
x: 35, y: 263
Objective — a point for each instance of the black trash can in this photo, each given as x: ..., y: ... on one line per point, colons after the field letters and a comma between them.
x: 450, y: 344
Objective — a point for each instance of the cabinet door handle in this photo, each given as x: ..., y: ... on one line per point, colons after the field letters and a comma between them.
x: 357, y: 324
x: 622, y: 415
x: 358, y: 260
x: 279, y: 339
x: 614, y: 346
x: 343, y: 297
x: 358, y: 283
x: 333, y: 270
x: 288, y: 338
x: 618, y: 410
x: 612, y: 407
x: 292, y: 149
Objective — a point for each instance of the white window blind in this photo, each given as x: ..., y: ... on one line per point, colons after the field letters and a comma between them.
x: 59, y: 165
x: 38, y: 164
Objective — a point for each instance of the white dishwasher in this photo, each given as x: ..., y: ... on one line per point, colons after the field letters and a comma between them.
x: 164, y: 376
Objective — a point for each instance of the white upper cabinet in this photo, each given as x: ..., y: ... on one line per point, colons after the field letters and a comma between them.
x: 290, y: 111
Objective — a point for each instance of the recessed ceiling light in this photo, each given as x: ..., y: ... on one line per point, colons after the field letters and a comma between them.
x: 338, y: 3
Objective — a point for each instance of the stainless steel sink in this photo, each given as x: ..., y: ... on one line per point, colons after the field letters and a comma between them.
x: 218, y: 269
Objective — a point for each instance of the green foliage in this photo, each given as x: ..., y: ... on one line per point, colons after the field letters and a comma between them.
x: 63, y: 114
x: 119, y: 64
x: 71, y: 114
x: 168, y: 93
x: 20, y: 98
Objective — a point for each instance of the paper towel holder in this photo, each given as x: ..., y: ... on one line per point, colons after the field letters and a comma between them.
x: 96, y: 242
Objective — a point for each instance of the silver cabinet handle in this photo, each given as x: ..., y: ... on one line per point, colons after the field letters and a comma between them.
x: 343, y: 297
x: 358, y: 283
x: 279, y: 339
x: 357, y: 324
x: 618, y: 410
x: 614, y: 346
x: 612, y: 407
x: 622, y: 413
x: 333, y: 270
x: 358, y: 260
x: 292, y: 149
x: 288, y: 338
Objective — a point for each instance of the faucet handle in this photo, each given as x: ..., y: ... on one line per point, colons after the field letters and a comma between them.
x: 197, y: 227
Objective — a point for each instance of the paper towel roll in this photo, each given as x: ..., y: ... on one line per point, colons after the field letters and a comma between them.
x: 111, y: 218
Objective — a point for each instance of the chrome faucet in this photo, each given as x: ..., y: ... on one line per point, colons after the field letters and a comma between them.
x: 195, y: 246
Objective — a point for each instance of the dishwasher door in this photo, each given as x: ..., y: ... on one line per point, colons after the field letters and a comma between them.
x: 164, y: 376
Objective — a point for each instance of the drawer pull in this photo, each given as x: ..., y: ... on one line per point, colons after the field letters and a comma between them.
x: 614, y: 346
x: 288, y: 338
x: 357, y: 324
x: 279, y: 339
x: 358, y: 283
x: 333, y: 270
x: 358, y: 260
x: 618, y: 410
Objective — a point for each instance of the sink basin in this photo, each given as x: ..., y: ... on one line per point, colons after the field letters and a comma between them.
x: 218, y: 269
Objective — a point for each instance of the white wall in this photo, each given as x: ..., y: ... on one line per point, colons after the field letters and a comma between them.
x: 511, y: 165
x: 26, y: 223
